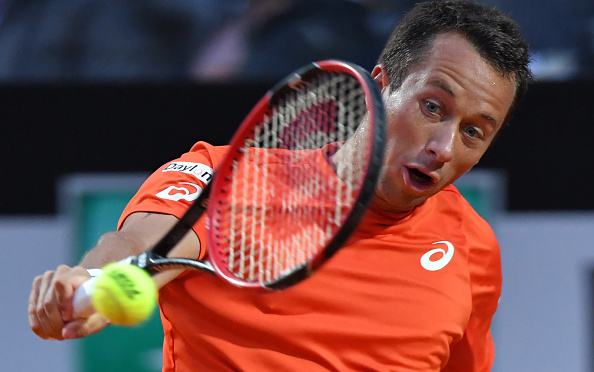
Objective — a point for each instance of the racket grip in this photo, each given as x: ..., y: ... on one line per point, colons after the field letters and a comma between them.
x: 82, y: 307
x: 81, y: 300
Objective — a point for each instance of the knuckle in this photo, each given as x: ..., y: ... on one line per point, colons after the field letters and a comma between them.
x: 40, y: 311
x: 32, y: 308
x: 48, y: 305
x: 48, y: 275
x: 38, y: 330
x: 62, y: 268
x: 37, y: 279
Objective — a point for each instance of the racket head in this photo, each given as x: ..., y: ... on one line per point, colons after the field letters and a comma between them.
x: 298, y: 177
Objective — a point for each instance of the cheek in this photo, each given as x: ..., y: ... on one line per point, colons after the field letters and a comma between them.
x: 473, y: 156
x: 402, y: 123
x: 391, y: 153
x: 463, y: 163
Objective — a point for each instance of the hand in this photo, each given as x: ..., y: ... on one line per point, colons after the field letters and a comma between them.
x: 50, y: 305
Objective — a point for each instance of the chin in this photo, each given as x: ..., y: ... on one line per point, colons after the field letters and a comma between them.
x: 392, y: 200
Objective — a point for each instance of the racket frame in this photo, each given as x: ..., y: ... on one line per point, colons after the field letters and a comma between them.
x: 375, y: 109
x: 155, y: 259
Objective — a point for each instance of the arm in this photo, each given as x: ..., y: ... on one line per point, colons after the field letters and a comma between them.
x: 50, y: 301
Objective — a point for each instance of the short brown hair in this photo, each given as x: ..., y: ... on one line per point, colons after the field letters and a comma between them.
x: 495, y: 36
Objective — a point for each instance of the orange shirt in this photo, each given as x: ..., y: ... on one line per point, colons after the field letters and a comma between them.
x: 413, y: 292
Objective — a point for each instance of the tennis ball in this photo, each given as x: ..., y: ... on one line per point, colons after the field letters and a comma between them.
x: 124, y: 294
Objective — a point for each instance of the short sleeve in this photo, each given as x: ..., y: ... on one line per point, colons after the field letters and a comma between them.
x: 173, y: 187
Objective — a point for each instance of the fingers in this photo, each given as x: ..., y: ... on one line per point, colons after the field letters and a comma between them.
x: 34, y: 321
x: 84, y: 327
x: 44, y: 317
x: 50, y: 301
x: 67, y: 280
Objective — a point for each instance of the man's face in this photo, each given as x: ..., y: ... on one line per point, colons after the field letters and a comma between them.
x: 440, y: 122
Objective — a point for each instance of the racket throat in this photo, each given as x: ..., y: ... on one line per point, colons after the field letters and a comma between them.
x: 154, y: 264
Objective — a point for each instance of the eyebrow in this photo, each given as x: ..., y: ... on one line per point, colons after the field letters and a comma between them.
x: 444, y: 86
x: 440, y: 84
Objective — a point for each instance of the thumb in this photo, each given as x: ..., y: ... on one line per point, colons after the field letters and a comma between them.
x: 79, y: 328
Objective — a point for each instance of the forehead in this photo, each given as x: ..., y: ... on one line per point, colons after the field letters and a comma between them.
x: 454, y: 65
x: 453, y: 48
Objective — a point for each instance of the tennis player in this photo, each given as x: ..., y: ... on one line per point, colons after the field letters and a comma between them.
x: 416, y: 285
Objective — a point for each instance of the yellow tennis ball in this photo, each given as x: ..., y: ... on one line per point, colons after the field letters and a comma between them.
x: 124, y: 294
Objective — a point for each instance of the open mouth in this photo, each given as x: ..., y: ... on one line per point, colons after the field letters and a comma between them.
x: 419, y: 177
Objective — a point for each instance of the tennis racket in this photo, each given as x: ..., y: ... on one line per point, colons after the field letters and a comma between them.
x: 297, y: 178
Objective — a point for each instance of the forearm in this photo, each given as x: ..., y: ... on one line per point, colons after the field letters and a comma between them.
x: 113, y: 246
x: 139, y: 233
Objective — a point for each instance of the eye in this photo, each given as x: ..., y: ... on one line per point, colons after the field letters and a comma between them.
x: 432, y: 107
x: 473, y: 132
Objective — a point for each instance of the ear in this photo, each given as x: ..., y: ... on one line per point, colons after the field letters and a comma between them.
x: 380, y: 76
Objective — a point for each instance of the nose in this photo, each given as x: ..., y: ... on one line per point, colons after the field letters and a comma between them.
x: 441, y: 143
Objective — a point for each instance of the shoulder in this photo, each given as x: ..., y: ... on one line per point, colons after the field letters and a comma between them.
x: 206, y: 148
x: 202, y: 153
x: 451, y: 201
x: 483, y: 249
x: 201, y: 146
x: 474, y: 232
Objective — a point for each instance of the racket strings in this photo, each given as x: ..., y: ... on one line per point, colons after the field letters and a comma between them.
x: 283, y: 208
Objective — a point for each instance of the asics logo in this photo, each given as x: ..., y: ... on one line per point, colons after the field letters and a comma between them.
x: 442, y: 261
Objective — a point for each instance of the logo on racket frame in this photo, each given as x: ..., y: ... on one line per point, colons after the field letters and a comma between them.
x: 298, y: 83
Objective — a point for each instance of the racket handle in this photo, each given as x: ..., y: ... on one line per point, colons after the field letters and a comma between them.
x: 81, y: 299
x: 82, y: 307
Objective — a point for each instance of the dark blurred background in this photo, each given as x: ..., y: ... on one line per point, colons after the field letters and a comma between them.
x: 124, y: 86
